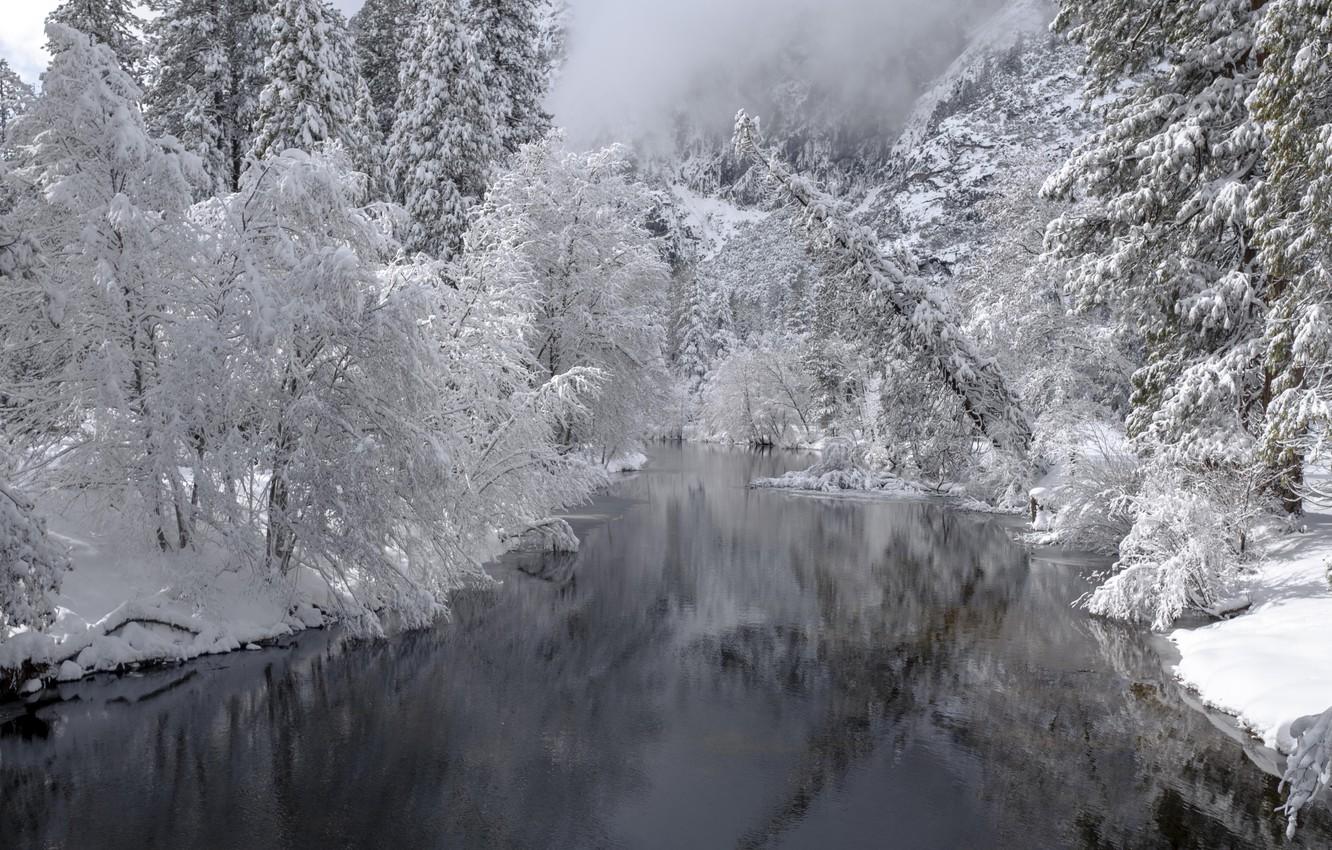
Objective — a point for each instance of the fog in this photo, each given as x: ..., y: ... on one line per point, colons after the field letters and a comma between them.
x: 633, y: 66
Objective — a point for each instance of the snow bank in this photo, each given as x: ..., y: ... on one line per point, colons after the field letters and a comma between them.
x: 837, y: 480
x: 123, y: 605
x: 1270, y: 666
x: 842, y: 468
x: 628, y: 462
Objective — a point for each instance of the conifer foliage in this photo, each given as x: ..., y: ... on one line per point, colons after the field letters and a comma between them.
x: 445, y: 140
x: 202, y: 48
x: 110, y: 22
x: 380, y: 28
x: 1169, y: 245
x: 1293, y: 101
x: 15, y: 97
x: 310, y: 93
x: 508, y: 44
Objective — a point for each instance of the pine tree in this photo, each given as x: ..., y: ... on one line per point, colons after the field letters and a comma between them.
x: 380, y: 28
x: 508, y: 39
x: 309, y: 97
x: 360, y: 134
x: 191, y: 96
x: 15, y: 97
x: 1293, y: 101
x: 1168, y: 244
x: 445, y: 141
x: 111, y: 22
x: 210, y: 59
x: 697, y: 339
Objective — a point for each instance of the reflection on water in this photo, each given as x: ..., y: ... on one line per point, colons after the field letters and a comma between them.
x: 718, y: 667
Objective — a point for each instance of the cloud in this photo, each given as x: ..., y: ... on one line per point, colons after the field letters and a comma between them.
x: 633, y: 65
x: 22, y: 38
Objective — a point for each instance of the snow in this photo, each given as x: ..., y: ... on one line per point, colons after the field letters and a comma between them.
x: 713, y: 220
x: 627, y: 462
x: 553, y: 534
x: 1270, y: 666
x: 124, y: 604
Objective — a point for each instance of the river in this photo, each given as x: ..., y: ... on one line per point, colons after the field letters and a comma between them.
x: 718, y: 667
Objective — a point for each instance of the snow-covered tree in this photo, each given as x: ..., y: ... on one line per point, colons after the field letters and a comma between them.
x: 508, y: 37
x: 15, y: 97
x: 1167, y: 242
x: 111, y: 22
x: 310, y: 95
x: 31, y: 565
x: 210, y: 72
x: 380, y: 29
x: 896, y: 314
x: 445, y: 139
x: 1293, y: 102
x: 595, y: 283
x: 104, y: 202
x: 384, y: 415
x: 761, y: 395
x: 702, y: 335
x: 360, y: 135
x: 1183, y: 551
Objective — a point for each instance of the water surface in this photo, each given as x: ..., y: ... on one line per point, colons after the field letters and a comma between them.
x: 719, y: 667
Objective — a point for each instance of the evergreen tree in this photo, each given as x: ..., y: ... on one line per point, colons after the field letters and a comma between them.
x: 210, y: 57
x: 15, y: 97
x: 697, y: 340
x: 191, y: 96
x: 1168, y: 244
x: 380, y: 29
x: 309, y: 96
x: 508, y: 39
x: 1293, y: 101
x: 360, y: 134
x: 112, y: 22
x: 445, y: 140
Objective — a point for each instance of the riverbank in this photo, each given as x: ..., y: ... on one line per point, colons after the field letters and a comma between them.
x: 125, y: 605
x: 1269, y: 666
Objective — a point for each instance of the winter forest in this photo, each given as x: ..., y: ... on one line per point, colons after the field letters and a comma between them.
x: 309, y: 314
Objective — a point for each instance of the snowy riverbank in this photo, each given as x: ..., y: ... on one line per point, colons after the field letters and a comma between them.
x: 125, y: 605
x: 1269, y: 666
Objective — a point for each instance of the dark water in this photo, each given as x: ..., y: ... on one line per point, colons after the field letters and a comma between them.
x: 718, y: 668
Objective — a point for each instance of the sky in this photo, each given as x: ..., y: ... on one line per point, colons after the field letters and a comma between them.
x: 22, y: 39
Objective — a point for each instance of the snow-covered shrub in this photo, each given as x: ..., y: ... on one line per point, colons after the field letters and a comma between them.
x: 30, y: 564
x: 924, y: 428
x: 1094, y: 500
x: 761, y: 395
x: 1182, y: 553
x: 1309, y: 768
x: 841, y: 467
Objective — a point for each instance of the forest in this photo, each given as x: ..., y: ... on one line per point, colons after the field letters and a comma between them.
x: 307, y: 318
